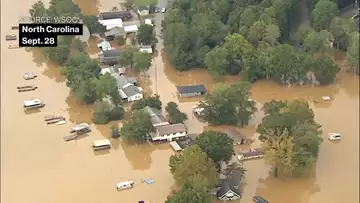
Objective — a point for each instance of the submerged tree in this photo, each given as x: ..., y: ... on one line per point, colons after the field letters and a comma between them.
x: 137, y: 128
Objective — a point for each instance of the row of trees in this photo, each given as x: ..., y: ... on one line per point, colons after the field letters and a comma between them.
x: 290, y: 136
x: 196, y: 169
x: 197, y: 35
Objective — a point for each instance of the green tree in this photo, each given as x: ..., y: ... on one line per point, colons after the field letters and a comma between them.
x: 141, y: 62
x: 120, y: 40
x: 316, y: 42
x: 106, y: 86
x: 38, y: 10
x: 290, y: 136
x: 323, y: 14
x: 126, y: 56
x: 78, y: 45
x: 341, y: 28
x: 325, y: 69
x: 86, y: 91
x: 194, y: 190
x: 152, y: 101
x: 64, y: 8
x: 229, y: 105
x: 58, y: 54
x: 217, y: 61
x: 137, y: 128
x: 101, y: 112
x: 353, y: 50
x: 92, y: 23
x: 146, y: 35
x: 235, y: 169
x: 218, y: 146
x: 176, y: 116
x: 193, y: 161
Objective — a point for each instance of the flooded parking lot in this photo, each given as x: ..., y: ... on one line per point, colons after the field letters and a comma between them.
x: 37, y: 166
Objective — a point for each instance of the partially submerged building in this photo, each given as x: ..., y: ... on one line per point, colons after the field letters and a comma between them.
x: 157, y: 118
x: 229, y: 188
x: 128, y: 89
x: 191, y: 90
x: 109, y: 57
x: 169, y: 132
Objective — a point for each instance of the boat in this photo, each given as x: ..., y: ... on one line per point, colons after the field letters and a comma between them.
x: 334, y: 136
x: 101, y: 144
x: 77, y: 130
x: 15, y: 27
x: 29, y: 76
x: 33, y: 104
x: 26, y: 88
x: 125, y: 185
x: 10, y: 37
x: 251, y: 154
x: 61, y: 122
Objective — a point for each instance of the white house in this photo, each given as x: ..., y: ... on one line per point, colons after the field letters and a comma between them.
x: 169, y: 132
x: 111, y: 23
x: 156, y: 117
x: 127, y: 89
x: 146, y: 49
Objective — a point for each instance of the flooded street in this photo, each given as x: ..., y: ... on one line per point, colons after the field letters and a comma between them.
x: 35, y: 156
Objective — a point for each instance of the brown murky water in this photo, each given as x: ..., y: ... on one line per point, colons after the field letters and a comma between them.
x: 38, y: 167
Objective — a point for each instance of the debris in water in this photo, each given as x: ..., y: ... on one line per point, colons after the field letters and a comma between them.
x: 325, y: 98
x: 149, y: 181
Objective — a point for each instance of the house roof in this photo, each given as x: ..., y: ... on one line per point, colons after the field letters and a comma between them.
x: 131, y: 28
x: 113, y: 15
x: 230, y: 183
x: 104, y: 45
x: 171, y: 129
x: 115, y: 31
x: 111, y: 53
x: 155, y: 114
x: 131, y: 90
x: 122, y: 80
x: 146, y: 49
x: 191, y: 89
x: 143, y: 8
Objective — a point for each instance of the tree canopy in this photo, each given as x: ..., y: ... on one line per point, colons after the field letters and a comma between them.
x: 193, y: 161
x: 229, y: 105
x: 323, y: 14
x: 146, y: 35
x: 127, y: 55
x: 141, y: 62
x: 137, y: 128
x: 152, y: 101
x: 175, y: 115
x: 290, y: 135
x: 353, y: 50
x: 218, y: 146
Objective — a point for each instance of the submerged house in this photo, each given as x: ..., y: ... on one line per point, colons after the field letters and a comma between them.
x: 169, y: 132
x: 127, y: 89
x: 123, y: 15
x: 157, y: 118
x: 109, y: 57
x: 229, y: 188
x: 191, y: 90
x: 115, y: 31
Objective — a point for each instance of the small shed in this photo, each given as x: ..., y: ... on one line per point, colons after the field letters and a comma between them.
x: 191, y: 90
x: 146, y: 49
x: 105, y: 45
x: 131, y: 28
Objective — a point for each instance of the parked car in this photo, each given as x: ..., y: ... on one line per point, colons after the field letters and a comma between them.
x: 259, y: 199
x: 157, y: 10
x: 334, y: 136
x: 163, y: 10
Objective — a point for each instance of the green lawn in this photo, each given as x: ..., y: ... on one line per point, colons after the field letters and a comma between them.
x: 145, y: 2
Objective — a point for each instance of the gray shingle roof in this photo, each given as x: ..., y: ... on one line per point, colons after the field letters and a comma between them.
x: 171, y: 129
x: 115, y: 31
x: 155, y: 114
x: 122, y: 80
x: 191, y: 89
x: 111, y: 53
x: 230, y: 183
x: 131, y: 90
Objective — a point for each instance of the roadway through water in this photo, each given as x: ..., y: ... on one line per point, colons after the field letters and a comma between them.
x: 38, y: 167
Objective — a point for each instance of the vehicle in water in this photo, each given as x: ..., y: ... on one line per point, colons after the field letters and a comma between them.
x: 125, y: 185
x: 29, y: 76
x: 26, y: 88
x: 10, y: 37
x: 334, y: 136
x: 259, y: 199
x: 33, y: 104
x: 101, y: 144
x: 77, y: 130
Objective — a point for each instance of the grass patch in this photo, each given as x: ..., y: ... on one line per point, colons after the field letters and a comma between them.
x: 145, y: 2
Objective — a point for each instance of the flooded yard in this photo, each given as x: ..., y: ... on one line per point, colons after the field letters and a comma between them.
x: 35, y: 156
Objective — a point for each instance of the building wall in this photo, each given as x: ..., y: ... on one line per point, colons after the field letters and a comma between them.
x: 190, y: 94
x: 135, y: 97
x: 169, y: 137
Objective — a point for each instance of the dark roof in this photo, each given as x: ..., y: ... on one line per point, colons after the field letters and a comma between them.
x: 191, y: 89
x: 114, y: 15
x: 131, y: 90
x: 260, y: 199
x: 115, y: 31
x: 186, y: 142
x: 230, y: 183
x: 111, y: 53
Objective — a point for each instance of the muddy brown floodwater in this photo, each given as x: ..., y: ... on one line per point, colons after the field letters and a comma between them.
x: 38, y: 167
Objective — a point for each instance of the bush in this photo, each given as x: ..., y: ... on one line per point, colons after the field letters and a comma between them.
x: 104, y: 113
x: 120, y: 40
x: 117, y: 113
